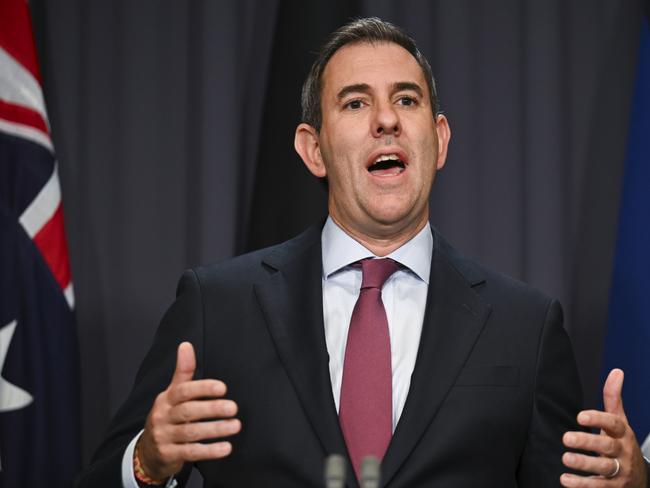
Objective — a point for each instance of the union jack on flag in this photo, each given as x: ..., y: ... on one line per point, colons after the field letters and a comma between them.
x: 39, y: 375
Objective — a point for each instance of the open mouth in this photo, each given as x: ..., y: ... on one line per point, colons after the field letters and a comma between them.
x: 387, y: 165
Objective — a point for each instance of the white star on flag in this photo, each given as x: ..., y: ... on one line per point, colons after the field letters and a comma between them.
x: 11, y: 397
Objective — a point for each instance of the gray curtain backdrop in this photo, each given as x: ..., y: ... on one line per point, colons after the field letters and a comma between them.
x: 173, y: 122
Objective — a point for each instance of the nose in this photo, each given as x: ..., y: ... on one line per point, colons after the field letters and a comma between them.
x: 386, y: 121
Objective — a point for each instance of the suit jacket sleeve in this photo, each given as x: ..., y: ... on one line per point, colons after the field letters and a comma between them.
x: 182, y: 322
x: 557, y: 399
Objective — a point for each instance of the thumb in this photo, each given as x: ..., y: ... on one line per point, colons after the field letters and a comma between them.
x: 185, y: 363
x: 612, y: 391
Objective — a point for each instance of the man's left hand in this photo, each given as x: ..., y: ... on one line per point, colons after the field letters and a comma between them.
x: 618, y: 461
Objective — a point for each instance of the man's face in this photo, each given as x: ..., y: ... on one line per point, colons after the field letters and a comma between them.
x: 379, y: 143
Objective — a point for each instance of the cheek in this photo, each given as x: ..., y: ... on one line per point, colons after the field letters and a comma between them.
x: 428, y: 154
x: 343, y: 160
x: 345, y: 145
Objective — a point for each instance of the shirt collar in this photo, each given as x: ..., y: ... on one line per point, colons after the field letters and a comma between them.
x: 341, y: 250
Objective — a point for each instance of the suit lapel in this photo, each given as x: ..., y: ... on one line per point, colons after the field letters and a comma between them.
x: 454, y: 318
x: 292, y: 303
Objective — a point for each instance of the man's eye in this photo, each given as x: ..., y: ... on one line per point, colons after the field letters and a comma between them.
x: 407, y: 101
x: 354, y: 105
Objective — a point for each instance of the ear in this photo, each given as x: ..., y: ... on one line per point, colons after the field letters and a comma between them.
x: 308, y: 147
x: 444, y: 135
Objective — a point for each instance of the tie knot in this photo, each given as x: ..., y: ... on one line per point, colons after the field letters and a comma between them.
x: 376, y: 272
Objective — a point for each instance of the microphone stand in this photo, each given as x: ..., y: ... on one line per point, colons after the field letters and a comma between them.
x: 334, y: 476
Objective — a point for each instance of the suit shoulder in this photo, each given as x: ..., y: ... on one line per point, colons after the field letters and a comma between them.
x: 507, y: 286
x: 249, y: 267
x: 493, y: 286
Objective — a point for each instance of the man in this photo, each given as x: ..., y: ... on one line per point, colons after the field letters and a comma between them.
x: 452, y: 374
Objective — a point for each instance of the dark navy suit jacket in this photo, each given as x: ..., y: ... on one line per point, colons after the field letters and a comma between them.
x: 494, y: 386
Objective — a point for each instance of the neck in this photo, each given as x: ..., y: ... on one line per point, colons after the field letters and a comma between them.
x: 385, y: 241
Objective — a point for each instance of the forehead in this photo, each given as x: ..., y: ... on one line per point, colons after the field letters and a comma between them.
x: 372, y: 64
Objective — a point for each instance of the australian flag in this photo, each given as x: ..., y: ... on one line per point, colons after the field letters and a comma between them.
x: 627, y: 344
x: 39, y: 375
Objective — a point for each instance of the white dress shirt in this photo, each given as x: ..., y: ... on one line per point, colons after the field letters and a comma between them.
x: 404, y: 295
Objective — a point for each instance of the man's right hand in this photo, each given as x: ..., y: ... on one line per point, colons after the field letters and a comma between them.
x: 186, y: 413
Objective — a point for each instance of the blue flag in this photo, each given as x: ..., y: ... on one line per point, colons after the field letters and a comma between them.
x: 627, y: 343
x: 39, y: 374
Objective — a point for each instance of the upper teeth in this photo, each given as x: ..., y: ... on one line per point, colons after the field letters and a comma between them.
x: 387, y: 157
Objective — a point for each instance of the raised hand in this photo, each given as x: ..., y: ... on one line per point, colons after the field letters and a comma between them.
x: 186, y: 413
x: 618, y: 461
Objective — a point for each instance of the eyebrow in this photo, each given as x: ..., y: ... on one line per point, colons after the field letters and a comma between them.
x: 356, y: 88
x: 406, y: 86
x: 365, y: 88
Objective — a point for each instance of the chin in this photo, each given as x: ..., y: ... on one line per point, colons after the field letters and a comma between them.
x: 391, y: 210
x: 401, y: 215
x: 391, y: 219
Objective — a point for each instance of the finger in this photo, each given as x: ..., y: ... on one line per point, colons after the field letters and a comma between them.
x: 200, y: 452
x: 589, y: 464
x: 612, y: 392
x: 185, y: 363
x: 575, y: 481
x: 601, y: 444
x: 612, y: 424
x: 194, y: 390
x: 191, y: 411
x: 200, y: 431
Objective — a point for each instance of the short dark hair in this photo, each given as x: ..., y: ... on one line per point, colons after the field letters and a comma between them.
x: 371, y: 30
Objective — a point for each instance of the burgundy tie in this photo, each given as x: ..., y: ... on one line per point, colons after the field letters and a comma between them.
x: 365, y: 410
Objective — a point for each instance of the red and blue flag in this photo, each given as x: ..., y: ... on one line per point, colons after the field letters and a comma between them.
x: 39, y: 374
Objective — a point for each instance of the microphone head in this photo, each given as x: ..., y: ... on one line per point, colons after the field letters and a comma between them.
x: 370, y: 473
x: 335, y: 471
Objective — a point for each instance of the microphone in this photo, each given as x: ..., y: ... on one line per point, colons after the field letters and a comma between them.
x: 335, y: 471
x: 370, y: 475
